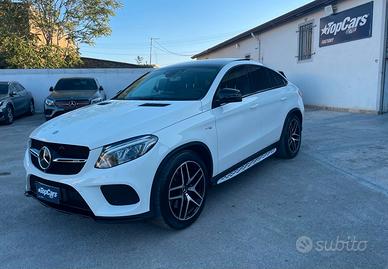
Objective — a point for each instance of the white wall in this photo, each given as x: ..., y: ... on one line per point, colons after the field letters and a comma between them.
x: 38, y: 81
x: 343, y: 76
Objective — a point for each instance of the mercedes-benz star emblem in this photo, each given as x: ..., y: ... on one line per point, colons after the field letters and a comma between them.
x: 44, y: 158
x: 72, y: 103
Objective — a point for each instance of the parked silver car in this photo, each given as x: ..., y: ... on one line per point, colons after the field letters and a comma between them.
x: 72, y: 93
x: 15, y: 101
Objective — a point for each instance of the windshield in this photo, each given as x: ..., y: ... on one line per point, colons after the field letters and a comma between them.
x: 76, y: 84
x: 3, y: 89
x: 174, y: 84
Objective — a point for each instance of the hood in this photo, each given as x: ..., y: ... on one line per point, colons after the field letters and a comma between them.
x: 105, y: 123
x: 69, y: 94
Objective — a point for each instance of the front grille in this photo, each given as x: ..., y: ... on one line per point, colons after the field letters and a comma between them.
x: 71, y: 104
x: 71, y: 200
x: 61, y: 152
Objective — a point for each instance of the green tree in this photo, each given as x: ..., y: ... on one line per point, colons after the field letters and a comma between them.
x: 13, y: 18
x: 48, y: 33
x: 13, y: 22
x: 80, y: 21
x: 20, y: 52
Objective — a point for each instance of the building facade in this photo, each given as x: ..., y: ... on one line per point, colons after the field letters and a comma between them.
x: 334, y: 51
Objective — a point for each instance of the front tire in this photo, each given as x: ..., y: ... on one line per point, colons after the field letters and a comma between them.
x: 291, y: 138
x: 31, y: 109
x: 9, y: 115
x: 180, y: 190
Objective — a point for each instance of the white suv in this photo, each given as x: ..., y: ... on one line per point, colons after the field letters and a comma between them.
x: 154, y: 149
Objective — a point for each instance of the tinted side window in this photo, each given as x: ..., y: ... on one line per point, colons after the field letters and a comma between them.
x: 263, y: 78
x: 237, y: 78
x: 18, y: 87
x: 277, y: 80
x: 12, y: 88
x: 260, y: 79
x: 21, y: 86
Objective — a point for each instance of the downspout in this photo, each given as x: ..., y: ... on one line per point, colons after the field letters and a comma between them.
x: 383, y: 58
x: 257, y: 38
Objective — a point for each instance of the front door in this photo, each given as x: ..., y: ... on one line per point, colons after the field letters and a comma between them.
x: 237, y: 123
x: 17, y: 100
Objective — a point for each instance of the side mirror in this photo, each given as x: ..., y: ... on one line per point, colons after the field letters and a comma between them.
x: 228, y: 95
x: 101, y: 89
x: 51, y: 89
x: 13, y: 93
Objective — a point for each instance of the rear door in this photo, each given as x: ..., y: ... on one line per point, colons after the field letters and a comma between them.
x: 273, y: 96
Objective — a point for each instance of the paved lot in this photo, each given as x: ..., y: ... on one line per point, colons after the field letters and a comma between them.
x: 335, y: 192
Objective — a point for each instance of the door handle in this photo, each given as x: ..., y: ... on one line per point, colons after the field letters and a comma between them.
x: 283, y: 98
x: 254, y: 106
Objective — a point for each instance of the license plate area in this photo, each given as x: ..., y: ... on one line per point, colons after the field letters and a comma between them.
x: 48, y: 193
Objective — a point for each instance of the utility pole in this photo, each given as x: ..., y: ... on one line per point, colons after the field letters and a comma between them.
x: 151, y: 45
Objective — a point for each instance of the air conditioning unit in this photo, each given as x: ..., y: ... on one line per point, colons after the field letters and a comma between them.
x: 329, y: 10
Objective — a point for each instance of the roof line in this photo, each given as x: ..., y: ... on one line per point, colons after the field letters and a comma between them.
x: 294, y: 14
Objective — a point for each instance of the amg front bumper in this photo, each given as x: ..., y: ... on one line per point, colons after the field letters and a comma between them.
x: 98, y: 193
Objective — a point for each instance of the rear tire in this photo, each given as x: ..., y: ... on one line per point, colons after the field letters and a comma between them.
x: 180, y: 190
x: 291, y: 138
x: 9, y: 115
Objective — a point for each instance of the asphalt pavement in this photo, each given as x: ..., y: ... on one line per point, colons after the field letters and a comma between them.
x: 327, y: 208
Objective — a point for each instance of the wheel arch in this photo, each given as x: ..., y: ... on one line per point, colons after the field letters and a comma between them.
x: 11, y: 105
x: 198, y: 147
x: 297, y: 112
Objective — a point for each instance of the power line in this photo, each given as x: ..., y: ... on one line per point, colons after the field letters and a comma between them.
x: 112, y: 53
x: 163, y: 48
x: 153, y: 39
x: 200, y: 39
x: 157, y: 45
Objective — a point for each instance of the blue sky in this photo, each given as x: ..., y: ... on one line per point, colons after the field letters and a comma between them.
x: 184, y: 27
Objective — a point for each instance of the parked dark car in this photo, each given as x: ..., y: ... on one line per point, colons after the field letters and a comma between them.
x: 15, y: 101
x: 72, y: 93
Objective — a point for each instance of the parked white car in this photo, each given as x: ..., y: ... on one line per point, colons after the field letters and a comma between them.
x: 153, y: 149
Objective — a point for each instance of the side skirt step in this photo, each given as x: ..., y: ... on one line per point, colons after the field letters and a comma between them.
x: 246, y: 166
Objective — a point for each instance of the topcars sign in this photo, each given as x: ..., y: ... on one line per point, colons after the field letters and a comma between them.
x: 349, y: 25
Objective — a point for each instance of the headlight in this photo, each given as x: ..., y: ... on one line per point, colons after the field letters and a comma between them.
x: 49, y: 102
x: 96, y: 100
x: 125, y: 151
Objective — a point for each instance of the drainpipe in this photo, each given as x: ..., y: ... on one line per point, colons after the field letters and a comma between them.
x: 383, y: 58
x: 259, y: 45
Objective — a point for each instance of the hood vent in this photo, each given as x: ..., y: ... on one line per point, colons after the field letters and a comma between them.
x: 154, y: 105
x: 103, y: 103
